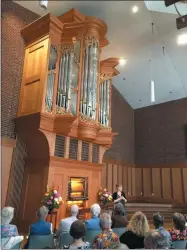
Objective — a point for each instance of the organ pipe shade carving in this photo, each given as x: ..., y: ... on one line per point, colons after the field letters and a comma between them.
x: 68, y: 79
x: 89, y: 78
x: 51, y: 79
x: 104, y: 111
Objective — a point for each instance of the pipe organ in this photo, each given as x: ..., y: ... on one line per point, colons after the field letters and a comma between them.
x: 64, y: 114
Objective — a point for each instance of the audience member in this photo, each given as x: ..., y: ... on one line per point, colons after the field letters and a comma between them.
x: 41, y: 227
x: 121, y: 246
x: 106, y: 239
x: 65, y: 224
x: 8, y: 230
x: 78, y: 231
x: 137, y: 229
x: 93, y: 223
x: 179, y: 231
x: 156, y: 240
x: 118, y: 220
x: 158, y: 221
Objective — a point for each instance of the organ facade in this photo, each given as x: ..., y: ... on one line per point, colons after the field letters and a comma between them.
x: 64, y: 114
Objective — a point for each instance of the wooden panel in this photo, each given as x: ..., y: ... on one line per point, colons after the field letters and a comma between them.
x: 129, y: 181
x: 147, y: 182
x: 156, y: 182
x: 133, y: 182
x: 166, y: 183
x: 115, y: 177
x: 110, y: 172
x: 125, y: 179
x: 177, y: 184
x: 184, y: 175
x: 104, y: 176
x: 34, y: 183
x: 138, y: 179
x: 34, y: 78
x: 120, y: 177
x: 30, y: 97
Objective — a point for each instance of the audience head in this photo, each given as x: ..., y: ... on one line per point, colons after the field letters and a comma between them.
x: 74, y: 210
x: 105, y: 221
x: 158, y: 220
x: 7, y: 214
x: 95, y: 210
x: 119, y: 187
x: 179, y: 221
x: 78, y: 229
x: 139, y: 224
x: 119, y: 209
x: 156, y: 240
x: 42, y: 213
x: 121, y: 246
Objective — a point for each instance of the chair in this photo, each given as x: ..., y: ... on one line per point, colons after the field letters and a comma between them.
x: 41, y: 241
x: 179, y: 244
x: 65, y: 239
x: 119, y: 231
x: 90, y: 235
x: 12, y: 242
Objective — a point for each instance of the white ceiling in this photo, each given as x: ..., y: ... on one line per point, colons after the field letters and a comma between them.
x: 130, y: 36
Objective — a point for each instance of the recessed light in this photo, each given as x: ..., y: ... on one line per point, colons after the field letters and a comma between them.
x: 182, y: 39
x: 122, y: 61
x: 135, y: 9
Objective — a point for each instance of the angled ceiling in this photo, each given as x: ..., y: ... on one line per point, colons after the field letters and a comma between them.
x: 131, y: 37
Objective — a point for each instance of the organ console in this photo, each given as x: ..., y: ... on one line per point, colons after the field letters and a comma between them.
x: 64, y: 114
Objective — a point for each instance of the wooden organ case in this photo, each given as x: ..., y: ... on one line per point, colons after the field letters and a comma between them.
x: 64, y: 114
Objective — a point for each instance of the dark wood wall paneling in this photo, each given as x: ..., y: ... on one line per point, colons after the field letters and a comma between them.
x: 157, y: 182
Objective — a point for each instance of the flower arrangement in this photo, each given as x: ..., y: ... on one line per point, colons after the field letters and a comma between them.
x: 52, y: 199
x: 105, y: 196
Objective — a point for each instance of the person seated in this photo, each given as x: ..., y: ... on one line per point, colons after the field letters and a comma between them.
x: 65, y: 224
x: 179, y: 231
x: 78, y: 231
x: 156, y: 240
x: 136, y: 230
x: 41, y: 227
x: 118, y: 220
x: 107, y: 238
x: 93, y: 223
x: 8, y: 230
x: 158, y: 221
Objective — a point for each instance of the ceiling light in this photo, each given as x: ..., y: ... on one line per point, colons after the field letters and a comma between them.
x: 152, y: 91
x: 182, y: 39
x: 43, y: 4
x: 122, y: 61
x: 135, y: 9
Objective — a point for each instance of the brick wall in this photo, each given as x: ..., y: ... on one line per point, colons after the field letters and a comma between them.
x: 160, y: 133
x: 123, y: 123
x: 14, y: 18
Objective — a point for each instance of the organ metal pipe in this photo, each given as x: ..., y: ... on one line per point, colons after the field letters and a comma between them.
x: 108, y: 102
x: 63, y: 59
x: 89, y: 81
x: 94, y: 82
x: 69, y: 81
x: 85, y: 84
x: 66, y: 74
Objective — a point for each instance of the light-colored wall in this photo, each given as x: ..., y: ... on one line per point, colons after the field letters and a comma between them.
x: 6, y: 153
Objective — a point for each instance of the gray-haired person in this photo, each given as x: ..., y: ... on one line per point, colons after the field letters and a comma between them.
x: 7, y: 229
x: 156, y: 240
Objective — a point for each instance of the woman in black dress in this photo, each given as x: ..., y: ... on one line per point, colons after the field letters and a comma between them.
x: 119, y: 197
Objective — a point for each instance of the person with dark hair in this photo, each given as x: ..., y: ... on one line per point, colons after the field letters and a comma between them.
x: 78, y: 232
x: 118, y: 219
x: 179, y: 231
x: 158, y: 221
x: 119, y: 197
x: 156, y: 240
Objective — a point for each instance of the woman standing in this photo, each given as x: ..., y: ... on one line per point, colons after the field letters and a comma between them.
x: 119, y: 197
